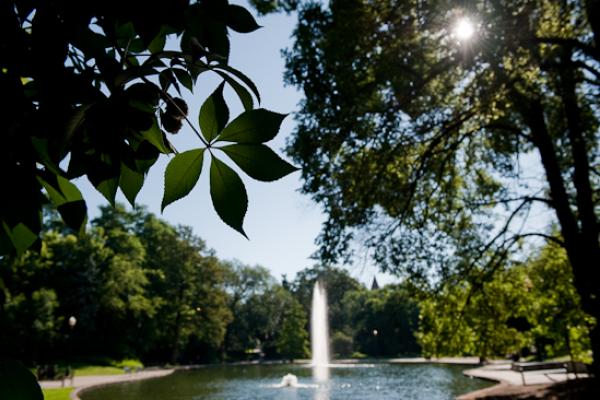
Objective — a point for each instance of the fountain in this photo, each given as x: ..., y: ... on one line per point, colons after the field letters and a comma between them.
x: 319, y: 334
x: 289, y: 380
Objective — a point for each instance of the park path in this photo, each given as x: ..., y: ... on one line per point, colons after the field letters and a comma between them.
x: 81, y: 383
x: 512, y: 382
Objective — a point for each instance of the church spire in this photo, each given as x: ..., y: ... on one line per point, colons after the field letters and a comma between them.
x: 374, y: 285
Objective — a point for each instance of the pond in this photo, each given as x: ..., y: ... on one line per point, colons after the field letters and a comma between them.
x: 346, y: 382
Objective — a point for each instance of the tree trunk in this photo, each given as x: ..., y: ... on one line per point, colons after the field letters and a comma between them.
x: 582, y: 250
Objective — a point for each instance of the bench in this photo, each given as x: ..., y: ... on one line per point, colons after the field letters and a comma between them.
x: 568, y: 367
x: 536, y: 366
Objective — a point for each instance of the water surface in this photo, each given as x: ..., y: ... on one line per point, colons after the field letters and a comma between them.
x: 364, y: 382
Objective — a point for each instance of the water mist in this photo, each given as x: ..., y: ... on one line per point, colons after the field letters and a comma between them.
x: 319, y: 328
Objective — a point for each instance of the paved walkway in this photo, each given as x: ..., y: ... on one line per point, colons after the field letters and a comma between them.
x: 441, y: 360
x: 81, y: 383
x: 512, y: 382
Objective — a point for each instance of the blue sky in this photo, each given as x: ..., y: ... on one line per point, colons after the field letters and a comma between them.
x: 281, y: 223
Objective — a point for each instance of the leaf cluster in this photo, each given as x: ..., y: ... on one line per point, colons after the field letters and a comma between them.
x: 95, y: 91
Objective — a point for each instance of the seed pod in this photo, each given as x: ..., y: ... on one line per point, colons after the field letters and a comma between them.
x: 176, y: 106
x: 170, y: 123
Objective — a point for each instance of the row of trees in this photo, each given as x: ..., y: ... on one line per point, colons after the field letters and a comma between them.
x: 142, y: 288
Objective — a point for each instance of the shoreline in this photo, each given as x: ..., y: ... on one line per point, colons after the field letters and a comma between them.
x: 508, y: 382
x: 512, y: 383
x: 84, y: 383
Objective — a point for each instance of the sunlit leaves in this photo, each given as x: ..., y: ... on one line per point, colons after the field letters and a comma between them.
x: 214, y: 114
x: 259, y: 161
x: 254, y: 126
x: 181, y: 175
x: 228, y: 195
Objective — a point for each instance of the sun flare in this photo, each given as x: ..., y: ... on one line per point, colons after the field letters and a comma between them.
x: 464, y: 29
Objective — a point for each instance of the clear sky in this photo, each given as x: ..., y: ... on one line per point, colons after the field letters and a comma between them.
x: 281, y: 223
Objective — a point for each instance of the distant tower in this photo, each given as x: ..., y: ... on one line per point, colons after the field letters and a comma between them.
x: 374, y: 285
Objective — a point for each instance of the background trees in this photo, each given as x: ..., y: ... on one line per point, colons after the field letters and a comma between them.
x: 423, y: 144
x: 383, y: 321
x: 141, y: 288
x: 137, y: 286
x: 525, y: 308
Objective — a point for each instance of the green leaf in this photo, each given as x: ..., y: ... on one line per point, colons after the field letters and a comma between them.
x: 166, y: 79
x: 214, y: 114
x: 253, y: 126
x: 41, y: 147
x: 259, y: 161
x: 17, y: 382
x: 184, y: 78
x: 158, y: 43
x: 240, y: 20
x: 21, y: 237
x: 67, y: 199
x: 108, y: 189
x: 228, y: 195
x: 243, y: 94
x: 155, y: 136
x: 238, y: 74
x: 75, y: 122
x: 130, y: 182
x: 181, y: 175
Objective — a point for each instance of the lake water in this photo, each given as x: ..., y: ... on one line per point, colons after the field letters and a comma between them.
x: 347, y: 382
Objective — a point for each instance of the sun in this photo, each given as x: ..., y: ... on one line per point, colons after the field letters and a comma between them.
x: 464, y: 29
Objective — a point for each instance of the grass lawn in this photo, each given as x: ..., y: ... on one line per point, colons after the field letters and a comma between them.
x: 86, y: 370
x: 109, y: 367
x: 57, y: 394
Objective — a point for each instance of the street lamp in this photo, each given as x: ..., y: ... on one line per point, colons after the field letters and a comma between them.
x: 72, y: 321
x: 375, y: 333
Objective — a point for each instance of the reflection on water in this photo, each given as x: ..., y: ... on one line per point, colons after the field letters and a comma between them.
x: 375, y: 382
x: 322, y: 393
x: 320, y: 373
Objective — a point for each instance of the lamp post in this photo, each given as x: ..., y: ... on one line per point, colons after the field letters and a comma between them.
x: 72, y: 321
x: 375, y: 333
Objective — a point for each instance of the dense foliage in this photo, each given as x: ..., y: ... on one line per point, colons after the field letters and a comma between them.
x: 526, y: 308
x: 356, y: 312
x: 137, y: 286
x: 142, y: 288
x: 432, y: 150
x: 94, y: 88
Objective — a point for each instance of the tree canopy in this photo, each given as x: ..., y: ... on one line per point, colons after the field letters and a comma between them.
x: 421, y: 144
x: 533, y: 305
x: 94, y: 89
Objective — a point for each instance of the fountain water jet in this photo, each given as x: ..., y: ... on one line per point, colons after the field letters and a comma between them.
x: 319, y: 330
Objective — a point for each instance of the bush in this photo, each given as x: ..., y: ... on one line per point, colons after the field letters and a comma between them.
x: 341, y: 344
x: 128, y: 363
